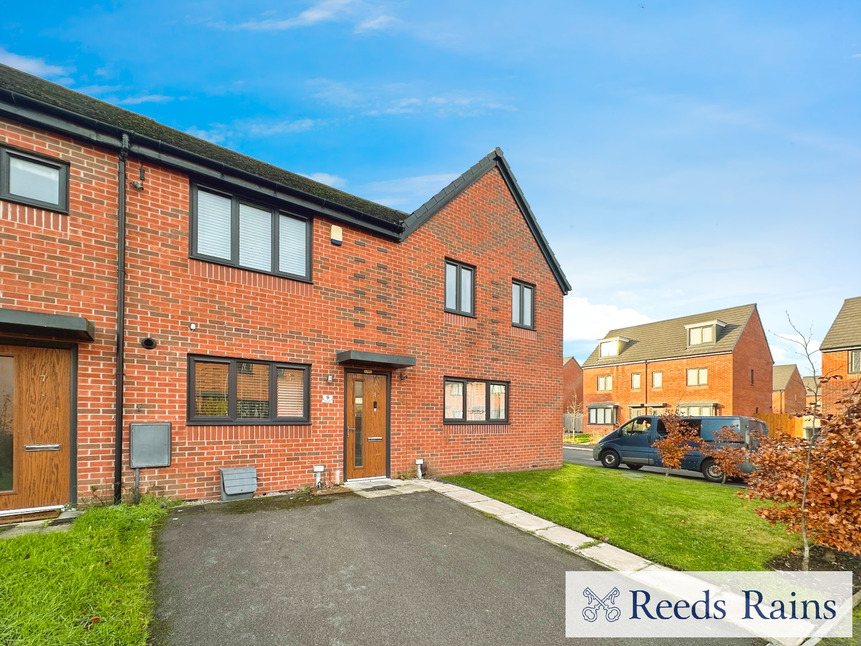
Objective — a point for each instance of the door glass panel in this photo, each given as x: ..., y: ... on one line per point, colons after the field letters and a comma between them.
x: 358, y: 399
x: 7, y: 385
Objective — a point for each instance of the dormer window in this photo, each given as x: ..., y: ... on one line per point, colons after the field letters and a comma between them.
x: 703, y: 333
x: 612, y: 347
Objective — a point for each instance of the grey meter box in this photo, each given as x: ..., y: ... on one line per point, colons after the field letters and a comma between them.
x: 149, y: 445
x: 238, y: 483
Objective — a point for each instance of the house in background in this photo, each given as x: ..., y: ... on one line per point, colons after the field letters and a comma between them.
x: 789, y: 394
x: 714, y: 363
x: 572, y: 384
x: 841, y: 355
x: 257, y: 318
x: 813, y: 392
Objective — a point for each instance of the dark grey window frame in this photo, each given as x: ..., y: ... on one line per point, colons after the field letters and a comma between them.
x: 52, y: 162
x: 488, y: 383
x: 235, y: 201
x: 460, y: 266
x: 523, y: 284
x: 232, y: 418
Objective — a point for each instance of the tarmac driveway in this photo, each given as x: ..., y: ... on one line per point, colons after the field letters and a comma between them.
x: 415, y: 569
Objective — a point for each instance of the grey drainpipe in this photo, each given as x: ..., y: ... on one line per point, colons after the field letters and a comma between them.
x: 121, y: 318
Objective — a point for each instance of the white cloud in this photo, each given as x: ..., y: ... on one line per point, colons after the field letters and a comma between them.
x: 147, y: 98
x: 856, y: 55
x: 409, y: 192
x: 321, y: 12
x: 216, y: 134
x: 329, y: 180
x: 96, y: 90
x: 35, y: 66
x: 585, y: 321
x: 269, y: 128
x: 380, y: 23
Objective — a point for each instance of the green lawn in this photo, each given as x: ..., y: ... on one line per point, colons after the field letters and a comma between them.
x: 685, y: 524
x: 90, y: 585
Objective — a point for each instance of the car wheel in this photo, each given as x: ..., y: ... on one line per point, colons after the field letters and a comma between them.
x: 711, y: 471
x: 610, y: 459
x: 634, y: 467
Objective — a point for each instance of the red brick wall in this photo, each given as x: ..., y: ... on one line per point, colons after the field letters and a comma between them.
x: 752, y: 353
x: 369, y: 294
x: 572, y: 384
x: 836, y: 364
x: 792, y: 400
x: 66, y: 264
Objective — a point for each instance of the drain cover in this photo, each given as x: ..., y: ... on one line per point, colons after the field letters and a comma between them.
x: 380, y: 487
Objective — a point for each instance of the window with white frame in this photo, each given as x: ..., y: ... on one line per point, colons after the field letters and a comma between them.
x: 609, y: 348
x: 522, y: 304
x: 35, y: 180
x: 854, y: 362
x: 459, y: 288
x: 232, y: 231
x: 602, y: 414
x: 605, y: 382
x: 658, y: 379
x: 698, y: 376
x: 635, y: 381
x: 695, y: 410
x: 700, y: 335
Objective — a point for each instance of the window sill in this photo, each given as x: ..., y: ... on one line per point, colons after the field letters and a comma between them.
x: 247, y: 423
x: 459, y: 313
x: 263, y: 272
x: 458, y: 422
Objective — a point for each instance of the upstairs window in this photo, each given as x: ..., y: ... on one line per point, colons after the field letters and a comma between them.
x: 700, y: 335
x: 522, y: 304
x: 698, y: 376
x: 459, y: 288
x: 854, y: 362
x: 609, y: 348
x: 657, y: 379
x: 605, y: 383
x: 635, y: 381
x: 38, y: 181
x: 232, y: 231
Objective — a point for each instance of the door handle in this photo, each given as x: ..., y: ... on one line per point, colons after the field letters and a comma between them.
x: 351, y: 428
x: 41, y: 447
x: 375, y: 439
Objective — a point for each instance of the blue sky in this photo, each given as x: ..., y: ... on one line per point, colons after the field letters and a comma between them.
x: 680, y: 156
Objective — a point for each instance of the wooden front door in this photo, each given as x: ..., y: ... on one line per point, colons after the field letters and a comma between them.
x: 35, y: 425
x: 367, y: 425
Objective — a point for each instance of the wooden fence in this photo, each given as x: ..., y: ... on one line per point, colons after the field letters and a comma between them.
x: 781, y: 423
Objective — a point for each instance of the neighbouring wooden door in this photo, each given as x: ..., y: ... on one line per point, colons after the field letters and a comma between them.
x: 367, y: 425
x: 35, y: 427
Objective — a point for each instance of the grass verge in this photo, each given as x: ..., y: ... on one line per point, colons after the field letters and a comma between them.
x: 90, y: 585
x: 681, y: 523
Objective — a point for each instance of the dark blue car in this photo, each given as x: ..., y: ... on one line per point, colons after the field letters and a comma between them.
x: 631, y: 443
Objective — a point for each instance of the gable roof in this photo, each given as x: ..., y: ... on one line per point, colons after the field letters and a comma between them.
x: 669, y: 340
x: 781, y: 375
x: 33, y: 100
x: 494, y: 159
x: 845, y: 331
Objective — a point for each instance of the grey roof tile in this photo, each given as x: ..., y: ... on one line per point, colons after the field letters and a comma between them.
x: 781, y: 376
x: 845, y: 331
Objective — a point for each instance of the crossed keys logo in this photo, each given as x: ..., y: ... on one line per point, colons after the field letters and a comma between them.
x: 607, y: 604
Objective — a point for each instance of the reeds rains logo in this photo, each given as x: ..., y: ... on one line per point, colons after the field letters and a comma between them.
x: 606, y: 604
x: 771, y: 605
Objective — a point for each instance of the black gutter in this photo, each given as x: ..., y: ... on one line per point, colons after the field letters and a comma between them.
x: 121, y: 316
x: 45, y: 115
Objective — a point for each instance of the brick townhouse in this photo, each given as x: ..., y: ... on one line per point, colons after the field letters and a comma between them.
x: 841, y: 355
x: 150, y: 277
x: 789, y: 394
x: 714, y: 363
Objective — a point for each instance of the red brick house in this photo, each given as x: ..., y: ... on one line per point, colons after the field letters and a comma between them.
x: 572, y: 383
x: 788, y: 395
x: 715, y: 363
x: 150, y: 277
x: 841, y: 354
